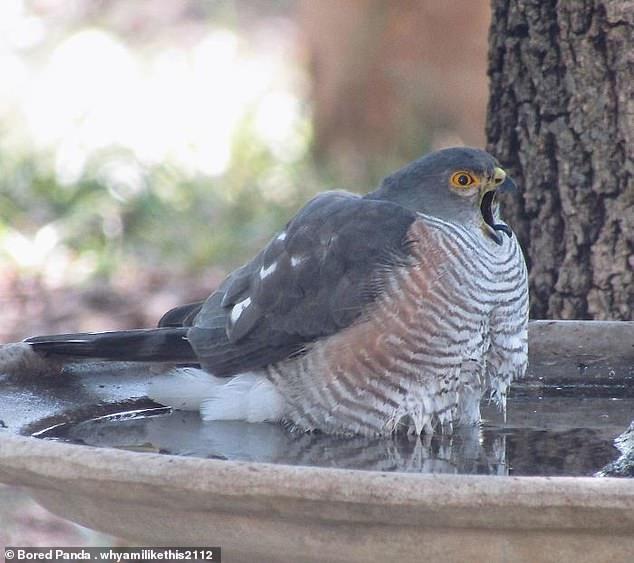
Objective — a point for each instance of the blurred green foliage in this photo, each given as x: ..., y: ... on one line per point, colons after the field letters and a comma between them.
x: 116, y: 120
x: 169, y: 220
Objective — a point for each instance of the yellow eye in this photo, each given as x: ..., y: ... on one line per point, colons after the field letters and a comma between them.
x: 462, y: 179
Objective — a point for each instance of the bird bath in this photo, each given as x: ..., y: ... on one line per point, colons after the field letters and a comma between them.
x: 89, y: 447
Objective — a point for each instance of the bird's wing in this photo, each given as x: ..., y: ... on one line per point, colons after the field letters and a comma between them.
x: 313, y: 279
x: 181, y: 316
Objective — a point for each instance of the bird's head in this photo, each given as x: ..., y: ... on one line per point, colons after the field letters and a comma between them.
x: 457, y: 184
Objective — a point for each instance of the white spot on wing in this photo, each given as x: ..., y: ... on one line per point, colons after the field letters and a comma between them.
x: 237, y: 309
x: 266, y: 272
x: 296, y: 260
x: 282, y: 236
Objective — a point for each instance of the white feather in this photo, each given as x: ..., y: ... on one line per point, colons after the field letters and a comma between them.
x: 266, y: 272
x: 297, y: 260
x: 247, y: 396
x: 183, y: 388
x: 237, y: 309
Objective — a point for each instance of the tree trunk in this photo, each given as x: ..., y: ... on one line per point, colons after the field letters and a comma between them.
x: 392, y: 79
x: 561, y: 119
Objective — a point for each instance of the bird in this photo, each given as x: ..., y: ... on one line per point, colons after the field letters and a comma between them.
x: 397, y: 310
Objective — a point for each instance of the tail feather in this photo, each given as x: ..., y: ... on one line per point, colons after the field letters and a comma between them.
x: 143, y: 345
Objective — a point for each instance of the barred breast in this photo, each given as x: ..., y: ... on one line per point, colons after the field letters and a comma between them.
x: 446, y: 326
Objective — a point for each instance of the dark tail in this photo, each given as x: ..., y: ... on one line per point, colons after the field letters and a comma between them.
x: 144, y: 345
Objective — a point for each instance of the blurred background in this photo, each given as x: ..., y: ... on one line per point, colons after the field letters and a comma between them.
x: 146, y: 148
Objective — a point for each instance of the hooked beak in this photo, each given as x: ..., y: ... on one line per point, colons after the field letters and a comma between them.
x: 506, y: 184
x: 499, y: 183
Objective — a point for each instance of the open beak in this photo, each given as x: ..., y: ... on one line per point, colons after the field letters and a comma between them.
x: 499, y: 183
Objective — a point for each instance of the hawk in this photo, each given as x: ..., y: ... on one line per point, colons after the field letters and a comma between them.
x: 366, y: 314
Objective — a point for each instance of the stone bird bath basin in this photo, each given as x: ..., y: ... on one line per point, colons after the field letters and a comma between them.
x: 397, y: 500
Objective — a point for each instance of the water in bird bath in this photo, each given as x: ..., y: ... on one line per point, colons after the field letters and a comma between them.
x: 554, y: 429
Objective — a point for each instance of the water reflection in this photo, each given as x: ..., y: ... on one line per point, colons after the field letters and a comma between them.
x: 492, y: 449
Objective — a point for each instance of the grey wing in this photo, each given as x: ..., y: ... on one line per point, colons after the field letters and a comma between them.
x: 181, y: 316
x: 313, y: 279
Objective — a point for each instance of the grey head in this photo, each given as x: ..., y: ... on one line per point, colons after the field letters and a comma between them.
x: 457, y: 184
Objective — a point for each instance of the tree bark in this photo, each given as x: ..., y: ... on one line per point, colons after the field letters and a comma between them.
x: 561, y: 119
